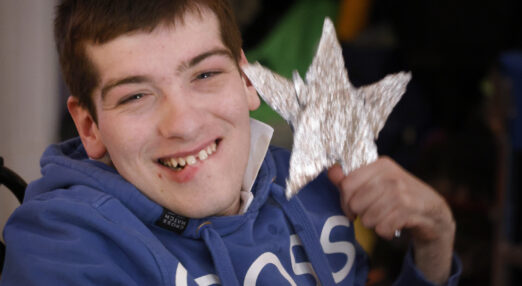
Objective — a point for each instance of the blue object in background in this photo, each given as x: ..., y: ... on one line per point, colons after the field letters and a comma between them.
x: 511, y: 64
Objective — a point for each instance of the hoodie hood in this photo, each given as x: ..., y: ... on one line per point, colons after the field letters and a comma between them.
x: 67, y: 164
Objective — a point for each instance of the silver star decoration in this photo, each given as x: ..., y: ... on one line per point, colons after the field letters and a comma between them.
x: 333, y: 121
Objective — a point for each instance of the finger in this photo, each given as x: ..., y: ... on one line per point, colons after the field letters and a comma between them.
x: 378, y: 211
x: 346, y: 207
x: 422, y: 228
x: 363, y: 198
x: 395, y: 220
x: 364, y: 174
x: 349, y: 185
x: 336, y: 175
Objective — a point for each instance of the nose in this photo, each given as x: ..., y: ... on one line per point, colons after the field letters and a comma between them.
x: 180, y: 117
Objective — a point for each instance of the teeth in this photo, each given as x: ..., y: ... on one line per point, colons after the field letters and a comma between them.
x: 191, y: 159
x: 202, y: 155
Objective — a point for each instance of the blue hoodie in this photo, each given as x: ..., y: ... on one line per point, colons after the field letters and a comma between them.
x: 83, y: 224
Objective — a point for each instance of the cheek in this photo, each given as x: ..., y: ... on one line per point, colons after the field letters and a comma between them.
x: 123, y: 138
x: 233, y: 106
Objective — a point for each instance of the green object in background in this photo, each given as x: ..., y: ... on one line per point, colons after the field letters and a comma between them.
x: 291, y: 45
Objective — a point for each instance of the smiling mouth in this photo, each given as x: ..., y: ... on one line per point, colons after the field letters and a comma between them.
x: 178, y: 164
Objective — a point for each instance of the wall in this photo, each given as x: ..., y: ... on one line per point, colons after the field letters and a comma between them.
x: 29, y: 100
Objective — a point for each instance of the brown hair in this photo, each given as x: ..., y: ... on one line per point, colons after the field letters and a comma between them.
x: 80, y: 22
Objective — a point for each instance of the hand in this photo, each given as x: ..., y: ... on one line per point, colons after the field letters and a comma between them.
x: 387, y: 198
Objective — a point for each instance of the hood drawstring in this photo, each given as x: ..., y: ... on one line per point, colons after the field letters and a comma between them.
x: 220, y: 256
x: 303, y: 227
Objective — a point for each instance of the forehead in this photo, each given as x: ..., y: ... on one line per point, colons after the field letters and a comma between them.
x: 143, y: 51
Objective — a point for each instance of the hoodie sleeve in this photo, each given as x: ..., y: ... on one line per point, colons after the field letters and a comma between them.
x: 411, y: 275
x: 64, y: 242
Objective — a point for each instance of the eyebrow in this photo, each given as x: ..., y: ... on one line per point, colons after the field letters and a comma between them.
x: 126, y: 80
x: 183, y: 66
x: 201, y: 57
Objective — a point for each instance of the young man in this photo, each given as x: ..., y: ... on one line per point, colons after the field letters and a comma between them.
x: 166, y: 186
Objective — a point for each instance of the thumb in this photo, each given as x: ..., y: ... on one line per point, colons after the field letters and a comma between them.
x: 335, y: 174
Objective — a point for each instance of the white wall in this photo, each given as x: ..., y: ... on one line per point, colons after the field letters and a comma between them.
x: 29, y: 99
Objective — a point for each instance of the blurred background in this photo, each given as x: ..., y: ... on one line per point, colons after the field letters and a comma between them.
x: 458, y: 127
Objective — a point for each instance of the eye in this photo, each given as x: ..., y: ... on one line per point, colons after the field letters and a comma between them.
x: 206, y: 75
x: 131, y: 98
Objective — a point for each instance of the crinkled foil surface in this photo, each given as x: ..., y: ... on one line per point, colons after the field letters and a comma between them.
x: 333, y: 121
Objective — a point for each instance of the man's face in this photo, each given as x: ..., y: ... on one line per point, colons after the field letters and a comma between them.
x: 168, y: 98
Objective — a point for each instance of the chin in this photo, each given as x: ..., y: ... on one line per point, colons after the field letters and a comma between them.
x: 208, y: 207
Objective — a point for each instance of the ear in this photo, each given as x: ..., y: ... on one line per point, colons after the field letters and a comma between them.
x: 252, y: 97
x: 87, y: 128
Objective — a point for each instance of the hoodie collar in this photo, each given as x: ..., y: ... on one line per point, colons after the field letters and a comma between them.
x: 260, y: 135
